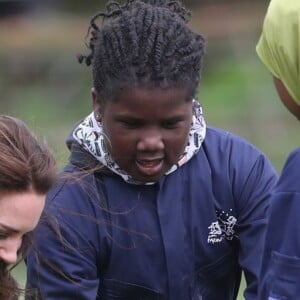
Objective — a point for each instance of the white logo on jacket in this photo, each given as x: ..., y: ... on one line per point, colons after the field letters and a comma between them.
x: 222, y: 229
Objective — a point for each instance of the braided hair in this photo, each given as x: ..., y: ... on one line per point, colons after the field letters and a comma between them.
x: 143, y: 43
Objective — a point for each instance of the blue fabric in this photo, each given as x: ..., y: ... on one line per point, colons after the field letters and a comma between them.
x: 186, y: 237
x: 281, y: 266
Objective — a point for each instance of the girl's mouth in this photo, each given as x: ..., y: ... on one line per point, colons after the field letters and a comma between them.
x: 150, y: 167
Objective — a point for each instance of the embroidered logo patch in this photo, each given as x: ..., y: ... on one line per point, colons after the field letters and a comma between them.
x: 222, y: 229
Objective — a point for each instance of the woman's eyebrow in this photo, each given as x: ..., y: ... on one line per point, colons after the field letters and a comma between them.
x: 8, y: 228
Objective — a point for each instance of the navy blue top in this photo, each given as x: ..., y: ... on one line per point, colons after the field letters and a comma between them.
x: 280, y: 278
x: 186, y: 237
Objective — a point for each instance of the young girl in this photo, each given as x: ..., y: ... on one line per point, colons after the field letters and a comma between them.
x: 279, y: 49
x: 27, y: 171
x: 164, y: 207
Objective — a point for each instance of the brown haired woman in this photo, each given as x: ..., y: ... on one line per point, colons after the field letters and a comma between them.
x: 27, y: 171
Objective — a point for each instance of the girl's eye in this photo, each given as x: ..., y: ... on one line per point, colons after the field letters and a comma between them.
x: 3, y: 235
x: 130, y: 124
x: 170, y: 124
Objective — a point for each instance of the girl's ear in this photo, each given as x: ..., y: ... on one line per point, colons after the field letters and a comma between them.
x: 96, y: 104
x: 286, y: 98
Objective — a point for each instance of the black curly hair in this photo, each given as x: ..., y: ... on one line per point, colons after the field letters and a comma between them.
x: 143, y: 43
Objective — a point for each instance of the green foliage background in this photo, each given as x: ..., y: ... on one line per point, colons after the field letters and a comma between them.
x: 41, y: 82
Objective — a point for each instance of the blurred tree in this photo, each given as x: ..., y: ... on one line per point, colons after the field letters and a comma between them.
x: 10, y: 8
x: 90, y: 6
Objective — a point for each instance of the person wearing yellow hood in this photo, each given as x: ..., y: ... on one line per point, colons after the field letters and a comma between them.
x: 279, y: 50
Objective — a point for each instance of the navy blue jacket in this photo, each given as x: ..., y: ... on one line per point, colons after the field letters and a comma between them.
x: 186, y: 237
x: 280, y: 278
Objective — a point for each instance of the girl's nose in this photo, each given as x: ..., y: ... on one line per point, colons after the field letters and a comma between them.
x: 9, y: 253
x: 150, y: 142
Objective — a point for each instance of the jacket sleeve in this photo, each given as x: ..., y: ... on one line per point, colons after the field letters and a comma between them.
x: 62, y: 261
x: 253, y: 184
x: 281, y: 261
x: 280, y: 271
